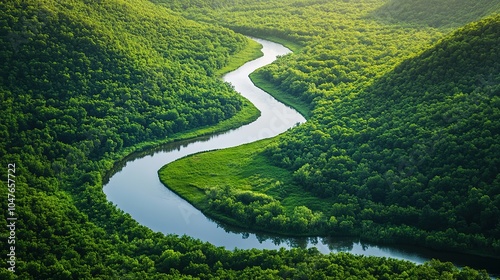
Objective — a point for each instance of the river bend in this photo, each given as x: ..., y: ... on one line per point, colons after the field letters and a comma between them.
x: 137, y: 190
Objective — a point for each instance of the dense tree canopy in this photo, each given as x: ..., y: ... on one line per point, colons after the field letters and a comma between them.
x: 449, y: 13
x: 403, y: 139
x: 83, y: 83
x: 423, y: 139
x: 101, y: 83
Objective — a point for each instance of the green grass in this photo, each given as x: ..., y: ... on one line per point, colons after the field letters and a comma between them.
x: 239, y: 167
x: 302, y: 107
x: 242, y: 168
x: 251, y: 52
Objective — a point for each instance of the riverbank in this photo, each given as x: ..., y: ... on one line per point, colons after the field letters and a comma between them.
x: 248, y: 114
x: 246, y: 169
x: 250, y: 170
x: 251, y: 52
x: 302, y: 107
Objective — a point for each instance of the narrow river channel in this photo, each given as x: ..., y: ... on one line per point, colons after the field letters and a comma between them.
x: 137, y: 190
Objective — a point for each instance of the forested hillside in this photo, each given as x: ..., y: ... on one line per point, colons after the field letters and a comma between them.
x: 92, y: 76
x: 419, y: 147
x: 83, y: 84
x: 446, y: 13
x: 403, y: 143
x: 80, y: 85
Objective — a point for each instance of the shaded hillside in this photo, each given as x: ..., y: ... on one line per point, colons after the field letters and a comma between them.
x: 418, y: 148
x: 442, y: 13
x: 82, y: 84
x: 100, y: 82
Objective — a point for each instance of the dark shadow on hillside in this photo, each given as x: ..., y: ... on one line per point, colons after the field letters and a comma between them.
x: 439, y: 14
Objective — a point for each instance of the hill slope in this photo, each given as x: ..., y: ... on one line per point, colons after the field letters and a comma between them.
x: 443, y: 13
x: 411, y: 157
x: 82, y: 84
x: 85, y: 66
x: 419, y: 147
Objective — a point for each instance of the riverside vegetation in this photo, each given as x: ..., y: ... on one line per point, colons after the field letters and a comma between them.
x: 402, y: 143
x: 84, y: 83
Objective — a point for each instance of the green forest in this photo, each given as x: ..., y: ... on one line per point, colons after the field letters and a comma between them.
x: 393, y: 173
x: 401, y: 143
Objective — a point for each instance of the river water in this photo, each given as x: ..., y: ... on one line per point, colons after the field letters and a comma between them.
x: 137, y: 190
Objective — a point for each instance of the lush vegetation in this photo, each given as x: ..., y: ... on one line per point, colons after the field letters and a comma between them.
x: 396, y: 154
x: 84, y: 83
x: 100, y: 83
x: 266, y: 197
x: 303, y: 107
x: 418, y: 148
x: 449, y: 13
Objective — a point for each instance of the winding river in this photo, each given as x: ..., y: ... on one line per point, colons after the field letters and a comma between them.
x: 137, y: 190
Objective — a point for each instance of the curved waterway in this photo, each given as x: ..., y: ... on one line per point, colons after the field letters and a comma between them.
x: 137, y: 190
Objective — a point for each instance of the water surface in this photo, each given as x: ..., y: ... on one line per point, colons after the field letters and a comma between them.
x: 137, y: 190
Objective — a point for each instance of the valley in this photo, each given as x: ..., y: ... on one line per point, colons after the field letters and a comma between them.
x: 400, y: 145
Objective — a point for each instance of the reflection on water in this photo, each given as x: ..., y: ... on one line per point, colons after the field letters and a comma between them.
x: 135, y: 188
x: 356, y: 246
x: 164, y: 148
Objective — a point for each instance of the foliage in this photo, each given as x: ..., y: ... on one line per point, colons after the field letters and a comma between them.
x: 447, y: 13
x: 264, y: 212
x: 402, y: 154
x: 423, y: 139
x: 110, y: 84
x: 82, y: 84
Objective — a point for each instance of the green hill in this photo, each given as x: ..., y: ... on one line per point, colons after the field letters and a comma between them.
x: 85, y: 83
x: 443, y: 13
x: 100, y: 81
x: 408, y: 154
x: 81, y: 86
x: 417, y: 148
